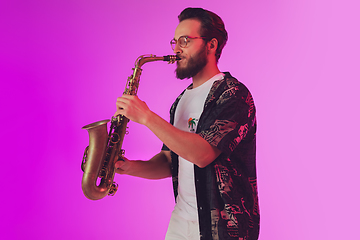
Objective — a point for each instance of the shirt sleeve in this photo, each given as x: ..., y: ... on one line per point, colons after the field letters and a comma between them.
x: 229, y: 119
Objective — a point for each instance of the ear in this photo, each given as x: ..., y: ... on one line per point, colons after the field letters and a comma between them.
x: 213, y: 44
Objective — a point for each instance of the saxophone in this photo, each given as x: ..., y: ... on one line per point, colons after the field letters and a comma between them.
x: 104, y: 148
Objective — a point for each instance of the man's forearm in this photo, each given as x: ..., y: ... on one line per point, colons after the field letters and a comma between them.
x: 157, y: 167
x: 188, y: 145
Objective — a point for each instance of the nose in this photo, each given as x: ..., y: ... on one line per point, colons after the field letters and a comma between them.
x: 177, y: 49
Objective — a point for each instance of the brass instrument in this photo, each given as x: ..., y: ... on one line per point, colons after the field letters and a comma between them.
x: 104, y: 149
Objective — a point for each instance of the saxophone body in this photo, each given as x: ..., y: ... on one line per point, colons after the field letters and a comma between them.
x: 105, y: 149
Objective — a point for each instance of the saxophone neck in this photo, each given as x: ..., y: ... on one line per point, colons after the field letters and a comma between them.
x: 132, y: 84
x: 151, y: 58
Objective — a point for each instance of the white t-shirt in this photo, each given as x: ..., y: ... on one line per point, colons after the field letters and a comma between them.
x: 187, y: 115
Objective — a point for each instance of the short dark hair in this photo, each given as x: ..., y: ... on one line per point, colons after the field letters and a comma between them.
x: 212, y: 26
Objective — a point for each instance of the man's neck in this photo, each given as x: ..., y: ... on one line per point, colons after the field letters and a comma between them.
x: 205, y: 74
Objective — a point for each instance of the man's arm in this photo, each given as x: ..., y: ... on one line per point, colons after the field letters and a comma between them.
x: 157, y: 167
x: 190, y: 146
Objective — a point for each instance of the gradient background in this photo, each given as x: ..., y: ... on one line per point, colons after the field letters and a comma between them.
x: 64, y: 63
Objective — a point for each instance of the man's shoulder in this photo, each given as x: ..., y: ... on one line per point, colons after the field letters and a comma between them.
x: 230, y: 82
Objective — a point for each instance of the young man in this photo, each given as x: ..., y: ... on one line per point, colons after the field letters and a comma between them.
x: 209, y: 144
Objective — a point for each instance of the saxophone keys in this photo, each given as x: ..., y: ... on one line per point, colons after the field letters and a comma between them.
x: 113, y: 188
x: 83, y: 163
x: 115, y: 138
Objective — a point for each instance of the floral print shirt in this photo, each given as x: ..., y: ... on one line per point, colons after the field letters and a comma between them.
x: 226, y: 189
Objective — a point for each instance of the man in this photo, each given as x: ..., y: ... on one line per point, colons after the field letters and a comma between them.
x: 209, y: 144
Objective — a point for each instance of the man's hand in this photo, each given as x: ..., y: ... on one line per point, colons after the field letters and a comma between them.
x: 157, y: 167
x: 133, y: 108
x: 122, y: 166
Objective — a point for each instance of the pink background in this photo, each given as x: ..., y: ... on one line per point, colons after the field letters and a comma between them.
x: 64, y: 63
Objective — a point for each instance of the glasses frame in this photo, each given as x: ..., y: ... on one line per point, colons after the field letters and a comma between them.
x: 174, y: 42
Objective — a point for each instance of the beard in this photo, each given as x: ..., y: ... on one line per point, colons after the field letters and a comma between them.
x: 194, y: 65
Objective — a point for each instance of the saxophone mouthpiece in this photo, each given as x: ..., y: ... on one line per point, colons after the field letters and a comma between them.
x: 171, y: 58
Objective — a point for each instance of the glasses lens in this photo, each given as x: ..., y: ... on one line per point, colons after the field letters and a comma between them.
x: 182, y: 41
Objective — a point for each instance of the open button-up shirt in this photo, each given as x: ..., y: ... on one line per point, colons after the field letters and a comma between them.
x: 226, y: 189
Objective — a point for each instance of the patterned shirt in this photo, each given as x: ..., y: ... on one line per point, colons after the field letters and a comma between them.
x: 226, y: 189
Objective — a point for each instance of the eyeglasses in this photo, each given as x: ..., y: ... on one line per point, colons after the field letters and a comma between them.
x: 183, y: 41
